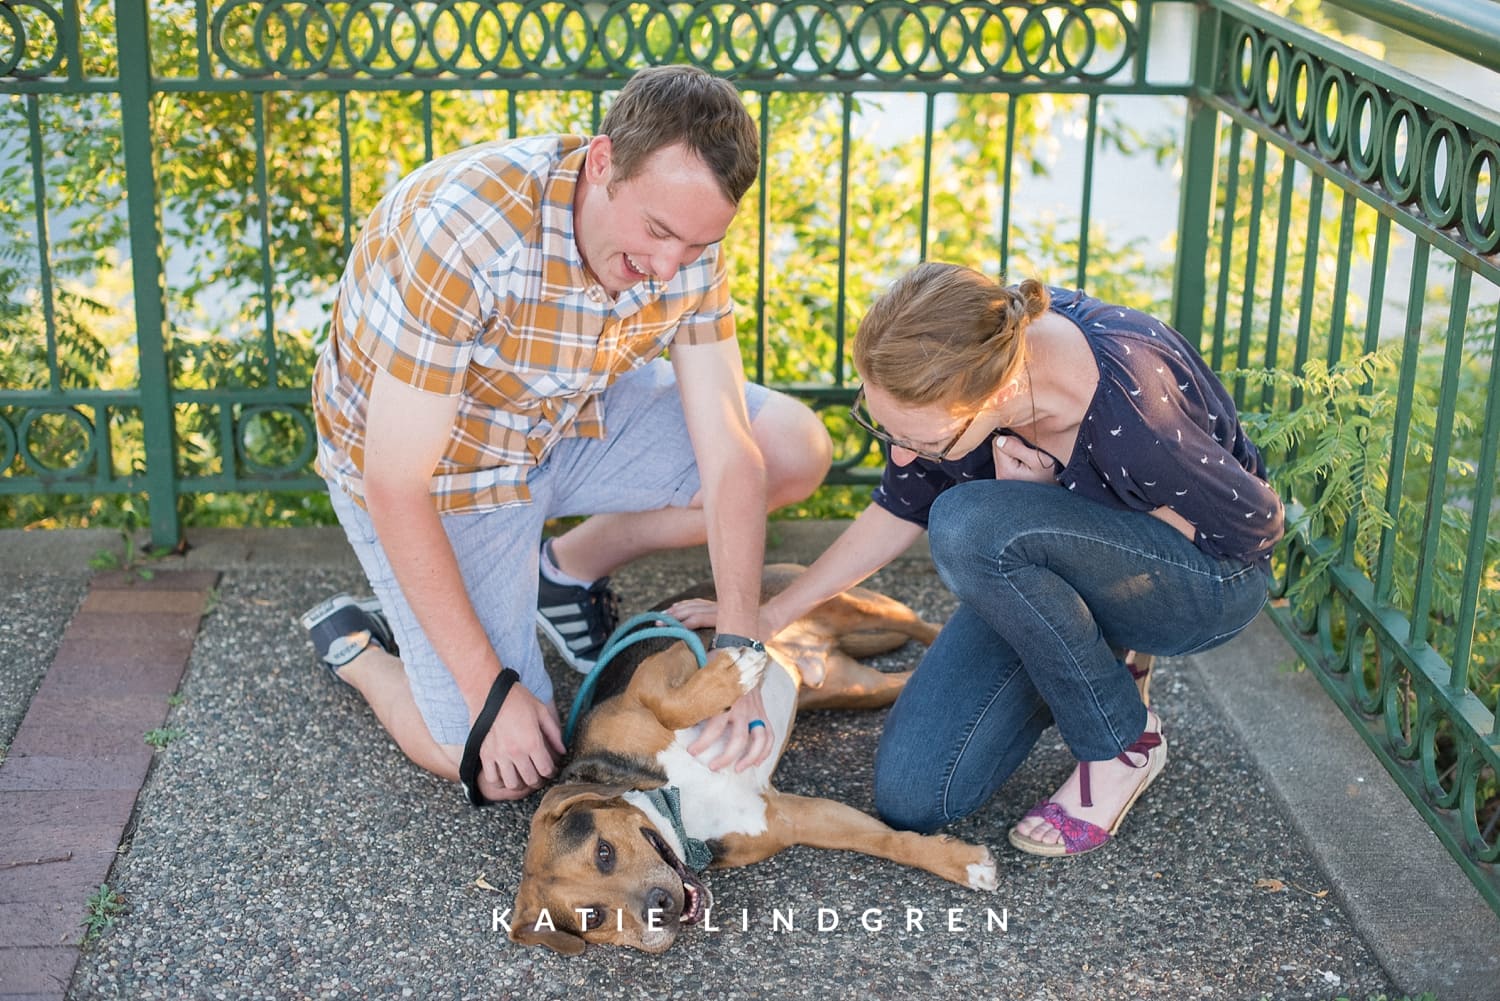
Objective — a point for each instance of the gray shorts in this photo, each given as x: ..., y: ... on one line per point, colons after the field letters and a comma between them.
x: 645, y: 463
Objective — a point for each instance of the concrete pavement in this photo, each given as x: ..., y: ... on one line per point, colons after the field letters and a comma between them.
x: 282, y: 847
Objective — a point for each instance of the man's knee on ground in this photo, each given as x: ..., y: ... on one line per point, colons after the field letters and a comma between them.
x: 796, y: 446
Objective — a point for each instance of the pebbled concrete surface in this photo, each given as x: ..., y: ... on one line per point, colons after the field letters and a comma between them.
x: 284, y: 848
x: 37, y: 605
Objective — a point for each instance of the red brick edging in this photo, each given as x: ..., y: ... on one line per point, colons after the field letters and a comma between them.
x: 69, y: 783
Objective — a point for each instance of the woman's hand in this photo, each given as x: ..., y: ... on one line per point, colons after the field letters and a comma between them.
x: 744, y: 747
x: 1015, y: 461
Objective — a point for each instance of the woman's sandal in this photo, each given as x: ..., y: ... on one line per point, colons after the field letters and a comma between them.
x: 1080, y: 836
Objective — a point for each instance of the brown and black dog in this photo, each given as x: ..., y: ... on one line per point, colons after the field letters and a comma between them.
x: 607, y: 862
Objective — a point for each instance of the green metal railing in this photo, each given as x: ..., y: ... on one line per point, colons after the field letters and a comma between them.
x: 1392, y: 178
x: 1328, y: 207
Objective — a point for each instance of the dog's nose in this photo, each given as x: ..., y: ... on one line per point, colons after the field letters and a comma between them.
x: 659, y: 902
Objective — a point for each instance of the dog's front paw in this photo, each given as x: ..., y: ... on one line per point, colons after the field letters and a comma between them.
x: 749, y: 665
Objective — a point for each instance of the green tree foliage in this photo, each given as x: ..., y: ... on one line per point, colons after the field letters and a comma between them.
x: 261, y: 193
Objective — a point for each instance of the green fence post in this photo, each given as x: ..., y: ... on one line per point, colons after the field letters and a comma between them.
x: 146, y: 270
x: 1195, y: 210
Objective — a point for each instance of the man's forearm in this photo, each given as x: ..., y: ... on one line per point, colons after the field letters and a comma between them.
x: 734, y: 507
x: 422, y: 558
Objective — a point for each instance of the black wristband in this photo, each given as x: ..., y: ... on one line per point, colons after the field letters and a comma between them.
x: 468, y: 766
x: 725, y: 640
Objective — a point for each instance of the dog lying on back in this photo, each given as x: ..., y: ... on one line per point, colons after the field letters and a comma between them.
x: 615, y: 843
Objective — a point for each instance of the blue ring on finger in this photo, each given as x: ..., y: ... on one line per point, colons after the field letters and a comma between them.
x: 757, y: 722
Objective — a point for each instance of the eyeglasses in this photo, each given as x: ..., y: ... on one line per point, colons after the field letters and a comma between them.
x: 859, y: 413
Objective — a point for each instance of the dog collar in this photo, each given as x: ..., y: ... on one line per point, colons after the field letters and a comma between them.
x: 668, y: 800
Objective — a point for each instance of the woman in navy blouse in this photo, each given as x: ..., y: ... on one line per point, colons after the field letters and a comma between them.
x: 1088, y: 490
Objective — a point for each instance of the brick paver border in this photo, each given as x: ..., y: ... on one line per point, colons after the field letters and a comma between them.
x: 69, y: 783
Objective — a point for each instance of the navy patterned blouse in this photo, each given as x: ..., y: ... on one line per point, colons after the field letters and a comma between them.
x: 1161, y: 431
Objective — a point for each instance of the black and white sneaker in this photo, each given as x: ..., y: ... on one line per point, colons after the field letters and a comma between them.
x: 576, y: 620
x: 341, y: 628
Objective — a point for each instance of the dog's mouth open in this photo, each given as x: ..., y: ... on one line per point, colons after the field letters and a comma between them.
x: 695, y: 896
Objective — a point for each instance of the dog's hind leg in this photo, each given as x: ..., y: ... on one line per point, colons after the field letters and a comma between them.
x: 848, y: 684
x: 826, y: 823
x: 865, y: 623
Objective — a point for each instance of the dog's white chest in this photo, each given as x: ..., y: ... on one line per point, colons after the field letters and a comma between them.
x: 729, y: 802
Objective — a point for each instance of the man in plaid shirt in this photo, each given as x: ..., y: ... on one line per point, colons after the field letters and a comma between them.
x: 493, y: 363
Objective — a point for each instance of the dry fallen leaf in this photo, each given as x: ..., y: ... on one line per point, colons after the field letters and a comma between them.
x: 480, y: 882
x: 1274, y: 885
x: 1319, y: 894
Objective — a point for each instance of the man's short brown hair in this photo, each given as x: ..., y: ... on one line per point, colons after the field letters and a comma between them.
x: 666, y: 105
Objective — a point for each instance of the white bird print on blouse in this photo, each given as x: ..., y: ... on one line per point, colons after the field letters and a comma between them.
x: 1116, y: 432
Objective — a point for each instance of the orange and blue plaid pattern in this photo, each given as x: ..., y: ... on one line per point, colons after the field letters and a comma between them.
x: 466, y: 281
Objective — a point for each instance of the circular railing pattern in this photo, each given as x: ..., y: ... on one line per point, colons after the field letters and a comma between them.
x: 1049, y: 40
x: 274, y: 440
x: 31, y: 39
x: 9, y: 446
x: 1381, y: 680
x: 1429, y: 163
x: 55, y: 442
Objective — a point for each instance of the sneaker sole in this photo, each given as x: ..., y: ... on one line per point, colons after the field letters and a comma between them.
x: 560, y: 644
x: 323, y: 609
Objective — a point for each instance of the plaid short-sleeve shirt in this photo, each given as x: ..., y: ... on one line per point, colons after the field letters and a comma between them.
x: 466, y: 281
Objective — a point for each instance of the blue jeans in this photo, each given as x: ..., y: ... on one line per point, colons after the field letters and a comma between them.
x: 1050, y: 585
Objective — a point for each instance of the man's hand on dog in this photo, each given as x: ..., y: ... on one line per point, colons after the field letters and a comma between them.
x: 522, y: 749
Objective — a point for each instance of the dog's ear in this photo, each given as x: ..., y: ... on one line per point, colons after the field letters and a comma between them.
x: 562, y: 798
x: 529, y: 929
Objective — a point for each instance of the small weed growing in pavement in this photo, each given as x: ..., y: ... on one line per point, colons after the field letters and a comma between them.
x: 176, y: 699
x: 160, y: 737
x: 134, y: 559
x: 103, y: 907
